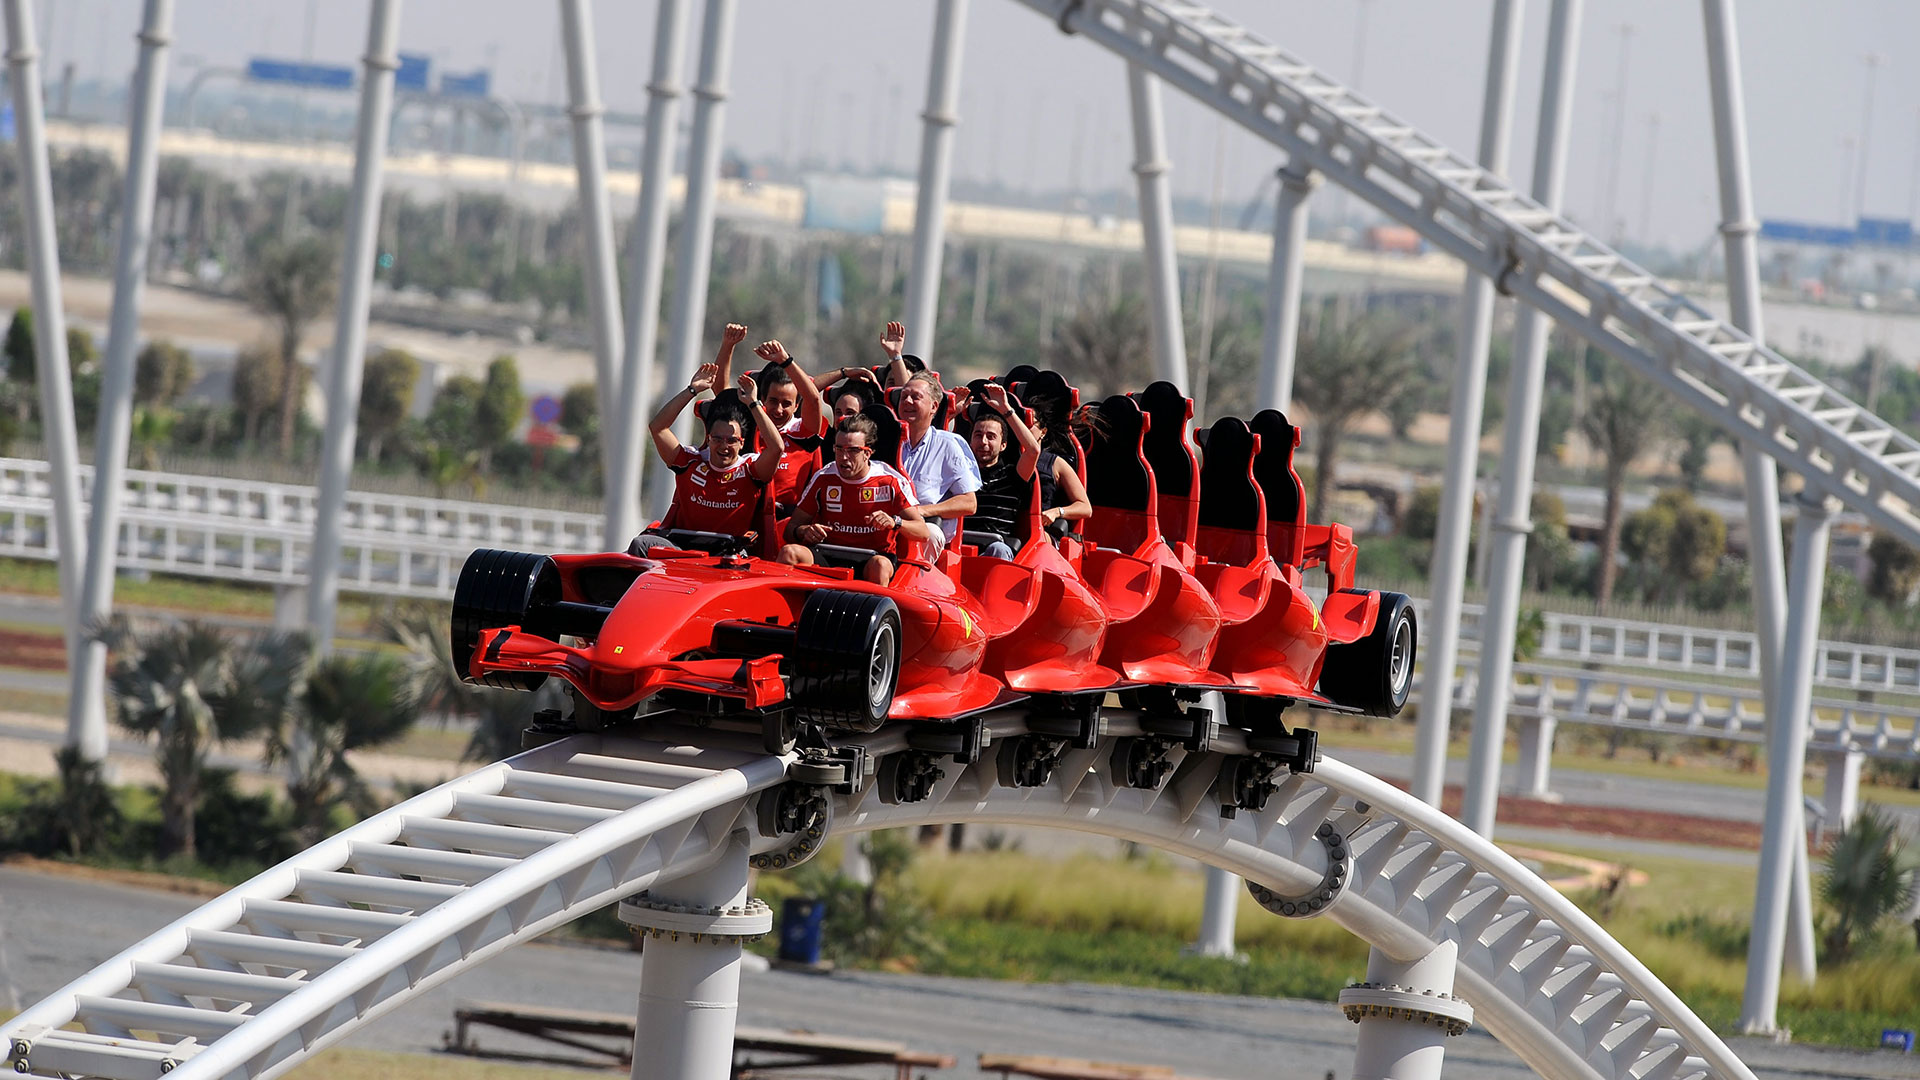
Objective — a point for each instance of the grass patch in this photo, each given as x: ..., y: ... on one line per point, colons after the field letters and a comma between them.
x: 351, y: 1064
x: 205, y: 596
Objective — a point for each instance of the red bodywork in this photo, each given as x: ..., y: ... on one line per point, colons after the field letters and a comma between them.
x: 1154, y: 596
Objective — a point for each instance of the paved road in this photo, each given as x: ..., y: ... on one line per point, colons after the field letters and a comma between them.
x: 55, y: 928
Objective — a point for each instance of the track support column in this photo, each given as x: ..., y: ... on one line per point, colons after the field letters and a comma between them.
x: 1156, y: 227
x: 50, y: 338
x: 1284, y: 274
x: 626, y: 467
x: 936, y: 169
x: 86, y: 704
x: 1406, y: 1012
x: 1842, y: 796
x: 1513, y: 521
x: 602, y: 280
x: 694, y: 260
x: 350, y: 326
x: 1536, y: 756
x: 1786, y: 758
x: 1218, y: 914
x: 690, y: 974
x: 1454, y: 528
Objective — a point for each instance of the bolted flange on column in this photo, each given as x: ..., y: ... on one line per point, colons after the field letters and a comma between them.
x: 1406, y: 1011
x: 750, y: 921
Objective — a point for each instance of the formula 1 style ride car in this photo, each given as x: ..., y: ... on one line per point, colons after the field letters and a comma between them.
x: 1188, y: 578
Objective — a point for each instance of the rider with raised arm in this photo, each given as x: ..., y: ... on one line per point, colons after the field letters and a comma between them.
x: 1007, y: 479
x: 717, y: 489
x: 855, y: 503
x: 793, y: 401
x: 941, y: 466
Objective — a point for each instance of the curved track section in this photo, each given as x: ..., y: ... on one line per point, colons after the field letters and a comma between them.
x: 1541, y: 976
x: 258, y: 980
x: 1530, y: 252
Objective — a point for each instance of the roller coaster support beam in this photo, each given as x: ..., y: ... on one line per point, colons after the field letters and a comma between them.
x: 350, y: 326
x: 1786, y: 758
x: 627, y: 467
x: 1512, y: 521
x: 936, y: 170
x: 694, y: 260
x: 1406, y: 1012
x: 602, y: 280
x: 1453, y: 532
x: 1218, y: 914
x: 1150, y: 167
x: 690, y: 978
x: 1284, y: 275
x: 86, y: 704
x: 1737, y: 229
x: 50, y: 335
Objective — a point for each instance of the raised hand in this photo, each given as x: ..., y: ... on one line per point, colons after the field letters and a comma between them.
x: 858, y: 374
x: 734, y: 334
x: 772, y: 352
x: 997, y: 395
x: 895, y: 339
x: 703, y: 378
x: 748, y: 388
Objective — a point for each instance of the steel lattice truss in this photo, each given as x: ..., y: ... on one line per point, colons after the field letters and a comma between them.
x: 257, y: 981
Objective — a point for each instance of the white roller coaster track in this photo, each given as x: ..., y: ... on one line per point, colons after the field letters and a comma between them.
x: 259, y: 980
x: 1531, y: 252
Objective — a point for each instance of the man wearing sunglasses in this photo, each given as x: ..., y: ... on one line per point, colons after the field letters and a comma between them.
x: 854, y: 504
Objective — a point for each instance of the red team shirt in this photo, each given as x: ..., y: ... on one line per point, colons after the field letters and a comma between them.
x: 706, y: 499
x: 844, y: 506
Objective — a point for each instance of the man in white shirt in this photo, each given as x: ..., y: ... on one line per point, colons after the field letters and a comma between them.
x: 939, y: 462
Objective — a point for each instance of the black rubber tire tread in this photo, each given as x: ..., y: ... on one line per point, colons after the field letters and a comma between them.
x: 498, y: 588
x: 833, y: 649
x: 1360, y: 675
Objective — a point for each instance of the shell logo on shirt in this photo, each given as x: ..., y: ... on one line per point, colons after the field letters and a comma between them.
x: 832, y: 497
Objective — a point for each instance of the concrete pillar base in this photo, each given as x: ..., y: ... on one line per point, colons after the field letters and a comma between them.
x: 1536, y: 758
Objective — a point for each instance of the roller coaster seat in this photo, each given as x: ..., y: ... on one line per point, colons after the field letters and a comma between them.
x: 1120, y: 480
x: 1176, y: 475
x: 1296, y: 545
x: 1232, y: 519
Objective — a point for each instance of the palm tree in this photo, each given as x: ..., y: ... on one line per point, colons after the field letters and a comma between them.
x: 292, y: 284
x: 348, y: 703
x: 84, y: 812
x: 1625, y: 413
x: 1341, y: 373
x: 188, y: 688
x: 1868, y: 878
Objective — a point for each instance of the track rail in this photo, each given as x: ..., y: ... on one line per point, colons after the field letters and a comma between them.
x: 1529, y: 251
x: 260, y: 979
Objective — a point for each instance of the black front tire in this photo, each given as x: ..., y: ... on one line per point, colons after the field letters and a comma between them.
x: 846, y: 660
x: 1375, y: 674
x: 499, y: 588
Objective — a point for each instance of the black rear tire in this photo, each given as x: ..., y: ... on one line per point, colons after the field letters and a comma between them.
x: 846, y: 660
x: 499, y: 588
x: 1375, y: 674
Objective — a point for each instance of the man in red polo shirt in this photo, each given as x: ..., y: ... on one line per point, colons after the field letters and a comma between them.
x: 854, y: 503
x: 717, y: 487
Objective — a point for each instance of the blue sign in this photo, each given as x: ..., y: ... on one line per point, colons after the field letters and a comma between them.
x: 1884, y: 232
x: 1896, y: 1039
x: 546, y: 408
x: 412, y: 73
x: 1797, y: 232
x: 473, y: 84
x: 295, y: 73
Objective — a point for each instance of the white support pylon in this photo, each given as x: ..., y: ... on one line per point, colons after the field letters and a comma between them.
x: 350, y: 325
x: 1525, y: 383
x: 50, y: 339
x: 627, y: 469
x: 86, y: 701
x: 1786, y: 759
x: 1156, y: 227
x: 1219, y: 912
x: 1453, y: 531
x: 694, y: 260
x: 1281, y: 337
x: 1762, y: 477
x: 596, y: 236
x: 690, y: 977
x: 936, y: 170
x: 1406, y: 1012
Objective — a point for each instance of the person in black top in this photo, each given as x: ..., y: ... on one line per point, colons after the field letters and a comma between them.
x: 1006, y: 478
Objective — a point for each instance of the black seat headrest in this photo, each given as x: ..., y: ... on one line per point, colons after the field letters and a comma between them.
x: 1228, y: 498
x: 1117, y: 476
